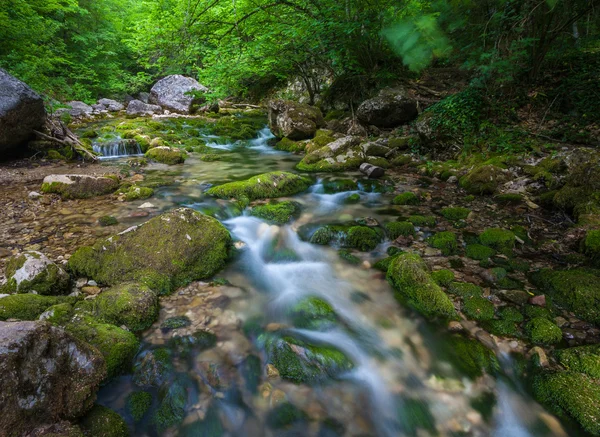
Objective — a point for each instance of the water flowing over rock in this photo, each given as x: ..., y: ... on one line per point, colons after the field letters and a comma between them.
x: 295, y: 121
x: 170, y: 93
x: 46, y: 375
x: 137, y: 107
x: 21, y: 112
x: 34, y: 272
x: 389, y: 109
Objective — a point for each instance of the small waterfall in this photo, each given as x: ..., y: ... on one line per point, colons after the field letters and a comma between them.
x: 261, y: 142
x: 118, y: 149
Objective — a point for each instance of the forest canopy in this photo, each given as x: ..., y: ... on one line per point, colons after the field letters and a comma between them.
x: 85, y: 49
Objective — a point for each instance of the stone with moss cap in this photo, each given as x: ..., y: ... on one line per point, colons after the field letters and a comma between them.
x: 351, y: 235
x: 410, y: 277
x: 484, y: 179
x: 166, y: 155
x: 136, y: 193
x: 277, y: 212
x: 33, y: 272
x: 478, y: 308
x: 296, y: 121
x: 342, y: 154
x: 132, y: 305
x: 74, y: 186
x: 591, y: 245
x: 498, y: 239
x: 164, y: 253
x: 103, y: 422
x: 406, y: 198
x: 399, y: 229
x: 543, y: 331
x: 313, y: 313
x: 443, y: 277
x: 455, y: 213
x: 29, y: 306
x: 138, y: 403
x: 263, y: 186
x: 445, y: 241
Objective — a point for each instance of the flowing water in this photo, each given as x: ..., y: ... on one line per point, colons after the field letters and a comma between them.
x: 404, y: 380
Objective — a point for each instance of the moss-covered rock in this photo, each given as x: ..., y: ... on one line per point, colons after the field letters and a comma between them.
x: 264, y: 186
x: 347, y: 256
x: 183, y: 345
x: 591, y: 245
x: 410, y: 278
x: 166, y: 252
x: 107, y: 220
x: 363, y: 238
x: 288, y: 145
x: 135, y: 193
x: 454, y: 214
x: 543, y: 331
x: 354, y: 236
x: 340, y: 155
x: 279, y: 213
x: 483, y: 179
x: 175, y: 322
x: 479, y: 252
x: 321, y: 139
x: 399, y: 229
x: 443, y: 277
x: 138, y: 403
x: 583, y: 359
x: 132, y: 305
x: 296, y: 121
x: 29, y: 306
x: 498, y: 239
x: 478, y: 308
x: 166, y: 155
x: 33, y: 272
x: 75, y: 186
x: 331, y: 186
x: 578, y: 290
x: 312, y: 313
x: 152, y: 368
x: 103, y: 422
x: 571, y: 394
x: 445, y: 241
x: 422, y: 221
x: 470, y: 356
x: 406, y: 198
x: 465, y: 289
x: 285, y: 415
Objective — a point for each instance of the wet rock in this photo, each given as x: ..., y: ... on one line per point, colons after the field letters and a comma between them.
x: 152, y: 368
x: 103, y: 422
x: 132, y: 305
x: 264, y: 186
x: 293, y: 120
x: 171, y: 93
x: 46, y: 374
x: 137, y: 107
x: 75, y: 186
x: 371, y: 171
x: 539, y: 300
x: 110, y: 105
x: 389, y: 109
x: 166, y: 155
x: 34, y: 272
x: 166, y: 252
x: 21, y: 112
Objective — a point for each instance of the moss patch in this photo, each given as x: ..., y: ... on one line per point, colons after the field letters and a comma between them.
x: 478, y: 308
x: 406, y: 198
x: 277, y: 212
x: 455, y: 214
x: 498, y: 239
x: 399, y: 229
x: 166, y: 155
x: 138, y: 404
x: 483, y: 180
x: 543, y: 331
x: 443, y: 277
x: 445, y: 241
x: 132, y: 305
x: 29, y: 306
x: 264, y: 186
x: 103, y: 422
x: 422, y: 221
x: 583, y: 359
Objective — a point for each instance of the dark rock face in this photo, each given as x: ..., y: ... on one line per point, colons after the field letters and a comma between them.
x: 137, y: 107
x: 389, y: 109
x: 46, y: 376
x: 21, y: 112
x: 170, y: 93
x: 296, y: 121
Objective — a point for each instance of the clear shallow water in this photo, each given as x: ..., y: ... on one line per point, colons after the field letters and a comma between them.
x: 404, y: 381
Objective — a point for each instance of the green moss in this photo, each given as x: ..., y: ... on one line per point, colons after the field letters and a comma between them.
x: 264, y: 186
x: 48, y: 279
x: 312, y: 313
x: 578, y: 290
x: 445, y: 241
x: 501, y: 328
x: 471, y: 357
x: 277, y: 212
x: 591, y: 245
x: 543, y: 331
x: 152, y: 368
x: 134, y: 193
x: 302, y: 362
x: 415, y: 415
x: 499, y: 239
x: 534, y: 311
x: 200, y: 340
x: 164, y: 253
x: 509, y: 198
x: 29, y: 306
x: 107, y: 220
x: 132, y: 305
x: 138, y: 403
x: 571, y: 394
x: 363, y: 238
x: 406, y: 198
x: 422, y: 221
x: 455, y: 214
x: 285, y: 415
x: 399, y: 229
x: 321, y: 139
x: 511, y: 314
x: 478, y: 308
x: 352, y: 198
x: 465, y: 289
x: 583, y: 359
x: 331, y: 186
x: 384, y: 263
x: 171, y: 409
x: 443, y: 277
x: 483, y: 180
x: 176, y: 322
x: 288, y: 145
x: 479, y: 252
x: 347, y: 256
x: 410, y: 278
x: 166, y: 155
x: 55, y: 155
x: 103, y: 422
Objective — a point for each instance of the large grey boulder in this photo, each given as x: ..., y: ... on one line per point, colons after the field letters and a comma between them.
x: 80, y: 109
x: 21, y: 112
x: 296, y: 121
x: 46, y: 376
x: 389, y: 109
x: 111, y: 105
x: 137, y: 107
x: 170, y: 93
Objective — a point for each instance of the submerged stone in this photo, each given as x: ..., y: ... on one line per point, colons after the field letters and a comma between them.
x: 138, y: 404
x: 278, y: 213
x: 164, y: 253
x: 34, y: 272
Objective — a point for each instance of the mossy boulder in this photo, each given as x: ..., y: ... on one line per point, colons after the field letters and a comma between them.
x: 340, y: 155
x: 352, y: 235
x: 312, y: 313
x: 470, y: 356
x: 409, y: 276
x: 296, y: 121
x: 166, y: 155
x: 264, y: 186
x: 33, y: 272
x: 583, y: 359
x: 571, y: 394
x: 164, y: 253
x: 591, y: 245
x: 478, y: 308
x: 578, y: 290
x: 103, y: 422
x: 29, y: 306
x: 443, y: 277
x: 543, y: 331
x: 399, y: 229
x: 279, y: 213
x: 445, y: 241
x: 465, y: 289
x: 301, y: 362
x: 406, y: 198
x: 73, y: 186
x: 132, y: 305
x: 479, y: 252
x: 498, y: 239
x: 455, y: 213
x: 288, y: 145
x: 484, y: 179
x: 321, y: 139
x: 136, y: 193
x: 422, y: 221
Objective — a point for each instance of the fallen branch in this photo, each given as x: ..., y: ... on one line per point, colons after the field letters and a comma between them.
x: 62, y: 135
